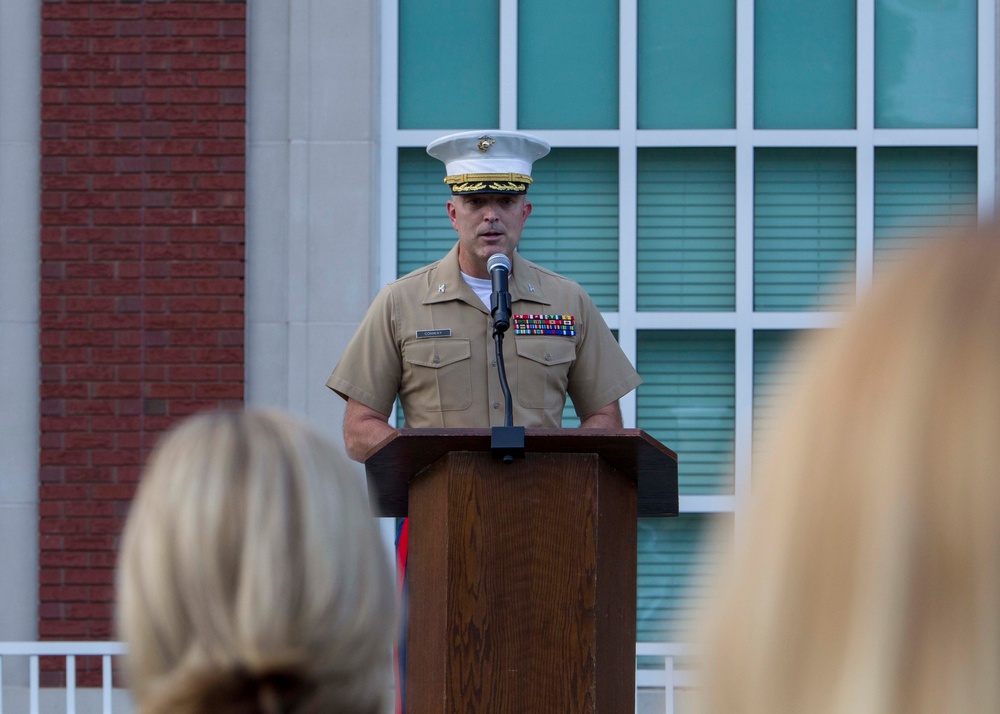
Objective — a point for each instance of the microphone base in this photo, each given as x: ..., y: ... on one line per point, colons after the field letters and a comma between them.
x: 507, y: 443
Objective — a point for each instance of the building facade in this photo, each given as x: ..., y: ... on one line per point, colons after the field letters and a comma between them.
x: 198, y: 200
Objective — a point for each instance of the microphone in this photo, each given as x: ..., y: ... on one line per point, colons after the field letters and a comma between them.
x: 498, y: 266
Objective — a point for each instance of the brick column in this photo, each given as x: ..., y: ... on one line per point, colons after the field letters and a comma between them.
x: 142, y: 248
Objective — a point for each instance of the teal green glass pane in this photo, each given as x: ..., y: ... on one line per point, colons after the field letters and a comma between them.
x: 569, y: 418
x: 687, y: 401
x: 920, y: 191
x: 925, y: 63
x: 567, y: 64
x: 573, y: 226
x: 677, y: 558
x: 804, y: 228
x: 424, y: 233
x: 687, y: 64
x: 776, y: 362
x: 449, y: 59
x: 686, y: 231
x: 805, y: 64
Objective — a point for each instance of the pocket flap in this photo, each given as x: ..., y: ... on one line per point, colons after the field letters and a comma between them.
x: 547, y: 350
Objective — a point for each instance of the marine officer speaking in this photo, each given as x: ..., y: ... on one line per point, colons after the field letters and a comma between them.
x: 428, y: 337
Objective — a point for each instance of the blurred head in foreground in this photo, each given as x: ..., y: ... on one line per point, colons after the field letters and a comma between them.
x: 252, y: 577
x: 869, y: 578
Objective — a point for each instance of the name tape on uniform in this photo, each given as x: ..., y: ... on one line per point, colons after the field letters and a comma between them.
x: 424, y: 334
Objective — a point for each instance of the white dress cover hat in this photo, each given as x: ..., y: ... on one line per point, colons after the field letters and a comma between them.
x: 488, y: 161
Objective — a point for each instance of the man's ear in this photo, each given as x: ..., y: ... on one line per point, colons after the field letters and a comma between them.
x: 527, y: 211
x: 450, y: 207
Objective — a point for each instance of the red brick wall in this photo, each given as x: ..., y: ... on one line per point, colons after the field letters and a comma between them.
x: 142, y: 249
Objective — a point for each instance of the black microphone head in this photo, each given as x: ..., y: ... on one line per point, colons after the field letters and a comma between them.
x: 498, y: 260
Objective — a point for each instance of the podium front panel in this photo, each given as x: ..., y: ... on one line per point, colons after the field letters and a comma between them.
x: 521, y: 585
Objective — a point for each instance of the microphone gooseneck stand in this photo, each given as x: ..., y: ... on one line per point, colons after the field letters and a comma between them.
x: 507, y: 441
x: 504, y: 387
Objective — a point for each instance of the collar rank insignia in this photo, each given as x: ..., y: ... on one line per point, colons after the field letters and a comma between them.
x: 564, y: 325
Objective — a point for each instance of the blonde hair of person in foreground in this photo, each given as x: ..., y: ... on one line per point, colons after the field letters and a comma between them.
x: 251, y: 576
x: 869, y: 580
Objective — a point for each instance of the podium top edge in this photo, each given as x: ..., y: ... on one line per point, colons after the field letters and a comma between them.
x: 406, y: 452
x: 530, y: 433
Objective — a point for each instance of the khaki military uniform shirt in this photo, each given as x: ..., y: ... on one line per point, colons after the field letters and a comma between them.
x: 428, y: 338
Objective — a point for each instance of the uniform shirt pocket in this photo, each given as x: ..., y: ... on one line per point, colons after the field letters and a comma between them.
x: 543, y: 370
x: 437, y: 374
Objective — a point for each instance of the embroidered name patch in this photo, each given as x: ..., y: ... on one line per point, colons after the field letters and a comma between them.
x: 424, y: 334
x: 564, y: 325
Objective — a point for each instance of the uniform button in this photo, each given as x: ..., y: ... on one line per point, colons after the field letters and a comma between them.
x: 547, y: 357
x: 493, y: 363
x: 438, y: 359
x: 496, y: 405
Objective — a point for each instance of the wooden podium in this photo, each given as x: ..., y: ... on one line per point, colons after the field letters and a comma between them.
x: 522, y: 576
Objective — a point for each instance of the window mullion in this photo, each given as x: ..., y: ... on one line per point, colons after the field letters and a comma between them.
x: 385, y: 247
x: 627, y: 177
x: 744, y: 254
x: 865, y: 153
x: 986, y: 112
x: 508, y: 65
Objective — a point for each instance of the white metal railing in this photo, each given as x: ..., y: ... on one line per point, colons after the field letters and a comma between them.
x: 667, y: 678
x: 70, y: 651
